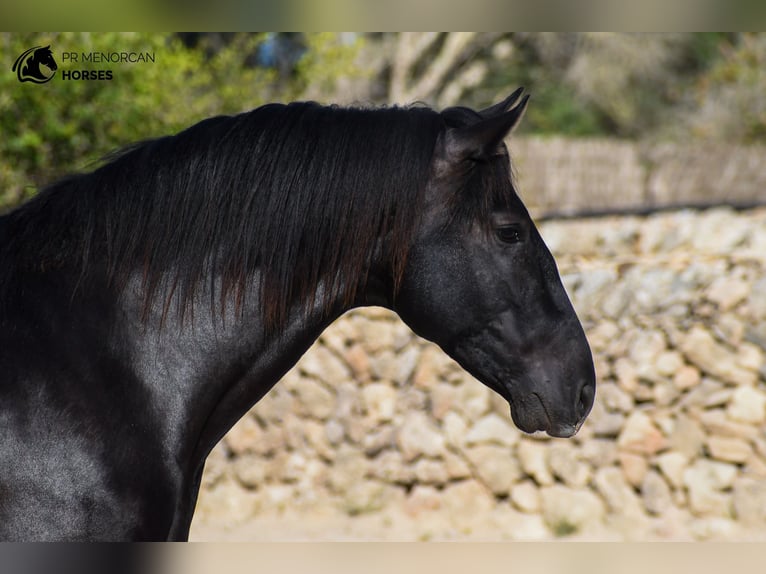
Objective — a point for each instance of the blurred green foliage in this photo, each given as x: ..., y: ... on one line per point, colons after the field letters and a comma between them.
x: 623, y: 85
x: 729, y: 101
x: 65, y: 126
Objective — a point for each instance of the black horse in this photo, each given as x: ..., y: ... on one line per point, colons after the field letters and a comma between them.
x: 147, y: 305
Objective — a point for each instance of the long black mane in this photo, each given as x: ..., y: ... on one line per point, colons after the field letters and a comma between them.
x: 297, y: 193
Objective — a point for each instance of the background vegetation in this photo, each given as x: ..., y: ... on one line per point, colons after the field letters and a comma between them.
x: 707, y: 86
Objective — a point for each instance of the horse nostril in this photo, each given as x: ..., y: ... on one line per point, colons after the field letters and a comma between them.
x: 585, y: 399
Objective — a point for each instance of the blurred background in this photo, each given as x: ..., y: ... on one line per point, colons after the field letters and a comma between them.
x: 705, y: 87
x: 641, y: 157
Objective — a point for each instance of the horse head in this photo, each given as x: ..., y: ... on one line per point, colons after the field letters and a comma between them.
x: 481, y: 283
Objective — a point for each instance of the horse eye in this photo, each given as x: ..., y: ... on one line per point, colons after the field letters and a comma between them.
x: 509, y: 233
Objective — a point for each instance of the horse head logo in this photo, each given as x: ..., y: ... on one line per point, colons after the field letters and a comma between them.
x: 27, y: 66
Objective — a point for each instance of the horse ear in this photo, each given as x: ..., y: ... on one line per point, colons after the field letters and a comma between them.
x: 503, y: 106
x: 481, y: 140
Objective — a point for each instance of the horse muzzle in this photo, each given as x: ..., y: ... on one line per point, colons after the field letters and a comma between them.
x: 559, y: 416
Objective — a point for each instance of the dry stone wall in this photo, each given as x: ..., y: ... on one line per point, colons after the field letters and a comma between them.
x: 573, y: 176
x: 378, y: 434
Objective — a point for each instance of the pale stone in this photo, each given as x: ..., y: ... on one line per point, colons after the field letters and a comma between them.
x: 614, y: 398
x: 472, y: 399
x: 603, y: 423
x: 277, y: 404
x: 634, y: 468
x: 294, y: 467
x: 323, y: 364
x: 592, y: 285
x: 456, y: 467
x: 357, y: 429
x: 617, y: 300
x: 422, y: 499
x: 719, y: 232
x: 378, y: 439
x: 599, y: 452
x: 443, y: 397
x: 644, y: 392
x: 347, y: 402
x: 292, y: 427
x: 687, y: 437
x: 418, y: 435
x: 705, y: 481
x: 645, y: 348
x: 334, y: 431
x: 390, y: 466
x: 664, y: 393
x: 494, y: 466
x: 627, y: 375
x: 316, y: 437
x: 749, y: 501
x: 668, y: 363
x: 432, y: 367
x: 314, y: 399
x: 748, y: 405
x: 411, y: 399
x: 525, y: 496
x: 407, y: 361
x: 376, y: 335
x: 718, y: 398
x: 730, y: 329
x: 289, y: 381
x: 750, y: 356
x: 379, y: 400
x: 727, y: 292
x: 499, y: 405
x: 467, y: 500
x: 431, y: 471
x: 244, y: 436
x: 358, y: 360
x: 385, y: 365
x: 403, y: 335
x: 345, y: 329
x: 601, y: 366
x: 640, y: 435
x: 602, y: 335
x: 564, y: 462
x: 568, y: 510
x: 655, y: 494
x: 755, y: 467
x: 533, y: 457
x: 701, y: 348
x: 349, y: 468
x: 757, y: 301
x: 228, y: 502
x: 716, y: 528
x: 729, y: 449
x: 334, y: 339
x: 519, y: 526
x: 617, y: 493
x: 216, y: 465
x: 367, y: 496
x: 673, y: 465
x: 665, y: 420
x: 492, y: 429
x: 455, y: 428
x: 717, y: 422
x: 686, y: 377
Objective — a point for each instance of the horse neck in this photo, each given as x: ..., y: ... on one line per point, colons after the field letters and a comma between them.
x: 207, y: 372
